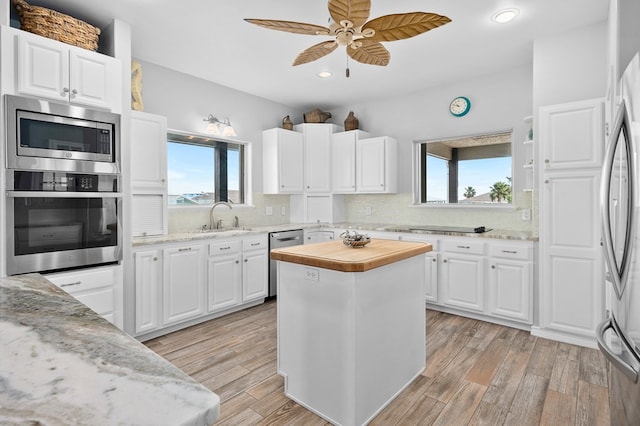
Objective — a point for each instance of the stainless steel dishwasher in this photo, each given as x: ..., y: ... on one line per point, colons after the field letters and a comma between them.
x: 293, y: 237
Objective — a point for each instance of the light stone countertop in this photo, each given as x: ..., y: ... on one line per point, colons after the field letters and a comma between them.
x: 379, y: 227
x: 62, y: 364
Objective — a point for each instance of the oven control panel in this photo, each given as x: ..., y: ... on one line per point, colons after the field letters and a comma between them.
x: 24, y: 180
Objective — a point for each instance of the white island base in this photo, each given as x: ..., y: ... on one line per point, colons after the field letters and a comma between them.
x: 350, y: 342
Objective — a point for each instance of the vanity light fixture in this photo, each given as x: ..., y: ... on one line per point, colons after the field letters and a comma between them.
x: 505, y: 15
x: 324, y: 74
x: 217, y: 127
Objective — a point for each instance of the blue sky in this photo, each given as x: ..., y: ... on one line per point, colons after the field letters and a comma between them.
x: 190, y: 168
x: 480, y: 174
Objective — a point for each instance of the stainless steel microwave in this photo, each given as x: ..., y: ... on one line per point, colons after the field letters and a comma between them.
x: 44, y: 135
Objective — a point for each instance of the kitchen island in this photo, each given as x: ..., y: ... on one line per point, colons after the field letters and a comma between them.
x: 351, y: 325
x: 61, y: 364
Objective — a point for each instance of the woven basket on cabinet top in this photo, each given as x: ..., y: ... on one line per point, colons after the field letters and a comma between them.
x: 57, y: 26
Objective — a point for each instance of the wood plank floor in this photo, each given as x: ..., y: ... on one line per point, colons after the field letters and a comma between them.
x: 477, y: 373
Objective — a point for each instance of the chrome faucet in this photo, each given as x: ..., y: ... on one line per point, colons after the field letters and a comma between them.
x: 212, y: 223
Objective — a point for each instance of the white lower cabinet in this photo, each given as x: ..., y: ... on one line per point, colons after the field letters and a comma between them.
x: 224, y: 275
x: 462, y: 281
x: 511, y: 282
x: 183, y: 283
x: 431, y: 277
x: 255, y: 268
x: 99, y: 288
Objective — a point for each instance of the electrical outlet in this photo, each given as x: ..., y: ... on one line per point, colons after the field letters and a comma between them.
x: 525, y: 214
x: 311, y: 274
x: 367, y: 211
x: 268, y: 211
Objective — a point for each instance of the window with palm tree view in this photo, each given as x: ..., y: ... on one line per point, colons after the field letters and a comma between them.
x: 469, y: 170
x: 202, y: 171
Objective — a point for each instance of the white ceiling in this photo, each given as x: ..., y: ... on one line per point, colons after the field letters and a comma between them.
x: 209, y: 39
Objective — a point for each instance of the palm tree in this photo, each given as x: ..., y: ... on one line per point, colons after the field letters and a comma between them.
x: 500, y: 191
x: 469, y: 192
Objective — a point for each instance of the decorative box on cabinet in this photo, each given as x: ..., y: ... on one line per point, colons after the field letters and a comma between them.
x: 51, y: 69
x: 99, y: 288
x: 282, y: 161
x: 148, y: 153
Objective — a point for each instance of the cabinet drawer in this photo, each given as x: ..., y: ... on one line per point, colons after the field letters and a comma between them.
x: 79, y: 281
x: 224, y: 247
x: 510, y: 251
x: 470, y: 247
x: 255, y: 243
x: 101, y: 301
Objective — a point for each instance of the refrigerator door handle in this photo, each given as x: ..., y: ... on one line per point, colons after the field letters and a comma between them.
x: 618, y: 274
x: 615, y: 360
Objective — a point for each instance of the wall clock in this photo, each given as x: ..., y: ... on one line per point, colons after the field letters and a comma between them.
x: 459, y: 106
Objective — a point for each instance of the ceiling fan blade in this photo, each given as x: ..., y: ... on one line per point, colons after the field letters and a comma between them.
x: 356, y: 11
x: 290, y: 27
x: 404, y: 25
x: 316, y: 51
x: 370, y: 53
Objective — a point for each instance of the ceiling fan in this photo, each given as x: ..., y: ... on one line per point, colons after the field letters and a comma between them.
x: 351, y: 29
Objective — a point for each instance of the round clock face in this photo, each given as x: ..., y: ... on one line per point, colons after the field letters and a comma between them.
x: 459, y: 106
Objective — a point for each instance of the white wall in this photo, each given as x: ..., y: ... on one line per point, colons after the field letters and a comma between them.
x: 186, y: 100
x: 571, y: 66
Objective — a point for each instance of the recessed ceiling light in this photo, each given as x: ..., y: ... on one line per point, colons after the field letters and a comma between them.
x: 505, y: 15
x: 324, y: 74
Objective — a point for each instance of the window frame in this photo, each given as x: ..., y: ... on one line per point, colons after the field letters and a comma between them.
x: 417, y: 174
x: 180, y: 136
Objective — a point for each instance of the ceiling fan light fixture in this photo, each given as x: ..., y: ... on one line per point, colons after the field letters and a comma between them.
x: 324, y: 74
x: 505, y: 15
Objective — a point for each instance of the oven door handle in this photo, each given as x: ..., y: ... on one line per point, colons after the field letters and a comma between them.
x: 62, y: 194
x: 614, y: 358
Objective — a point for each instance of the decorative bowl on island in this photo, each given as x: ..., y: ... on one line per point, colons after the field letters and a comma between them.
x: 354, y: 239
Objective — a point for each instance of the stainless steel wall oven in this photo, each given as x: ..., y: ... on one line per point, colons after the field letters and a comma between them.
x: 63, y: 186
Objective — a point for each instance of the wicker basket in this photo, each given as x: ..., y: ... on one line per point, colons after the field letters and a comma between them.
x: 57, y: 26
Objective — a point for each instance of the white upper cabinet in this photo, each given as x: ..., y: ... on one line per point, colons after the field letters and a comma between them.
x: 283, y: 159
x: 571, y: 135
x: 343, y: 160
x: 317, y: 156
x: 51, y: 69
x: 377, y: 165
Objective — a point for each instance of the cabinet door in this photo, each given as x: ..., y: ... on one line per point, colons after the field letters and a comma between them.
x: 572, y: 135
x: 148, y: 267
x: 43, y: 67
x: 343, y: 162
x: 148, y: 173
x: 571, y: 275
x: 431, y: 277
x: 462, y: 281
x: 282, y: 161
x: 370, y: 166
x: 254, y: 275
x: 184, y: 285
x: 225, y: 282
x: 510, y: 289
x: 94, y: 79
x: 317, y: 153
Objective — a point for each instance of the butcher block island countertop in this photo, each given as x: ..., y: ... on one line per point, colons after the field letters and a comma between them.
x: 336, y: 256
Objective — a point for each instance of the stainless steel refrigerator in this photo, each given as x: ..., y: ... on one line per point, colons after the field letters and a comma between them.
x: 619, y: 335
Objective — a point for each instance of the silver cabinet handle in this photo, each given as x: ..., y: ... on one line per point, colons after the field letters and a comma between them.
x: 237, y: 261
x: 74, y: 92
x: 65, y: 90
x: 155, y: 258
x: 464, y: 247
x: 510, y: 251
x: 444, y: 261
x: 71, y: 284
x: 245, y: 261
x: 185, y: 249
x: 225, y: 248
x: 255, y: 244
x: 434, y: 260
x: 493, y: 266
